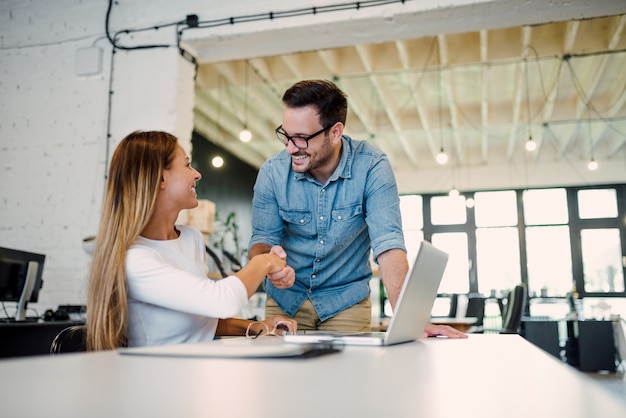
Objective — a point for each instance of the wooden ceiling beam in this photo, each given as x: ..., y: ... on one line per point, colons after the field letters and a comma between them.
x: 388, y: 103
x: 404, y: 55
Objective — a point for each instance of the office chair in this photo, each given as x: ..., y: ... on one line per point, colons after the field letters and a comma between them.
x: 476, y: 309
x: 445, y: 305
x: 512, y: 317
x: 69, y: 340
x: 216, y: 260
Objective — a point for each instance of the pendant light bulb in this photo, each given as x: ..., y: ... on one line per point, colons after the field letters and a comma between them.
x: 442, y: 157
x: 245, y: 135
x: 217, y: 161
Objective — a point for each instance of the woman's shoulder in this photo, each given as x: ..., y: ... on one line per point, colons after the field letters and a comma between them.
x: 187, y: 235
x: 188, y: 231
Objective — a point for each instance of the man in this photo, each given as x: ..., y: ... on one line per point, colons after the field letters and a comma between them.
x: 329, y: 201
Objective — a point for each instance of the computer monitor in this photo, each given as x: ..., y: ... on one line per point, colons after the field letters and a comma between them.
x: 20, y: 278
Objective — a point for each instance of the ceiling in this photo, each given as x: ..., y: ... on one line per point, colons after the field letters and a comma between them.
x: 479, y: 96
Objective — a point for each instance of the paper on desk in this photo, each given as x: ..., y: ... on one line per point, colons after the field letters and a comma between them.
x: 262, y: 347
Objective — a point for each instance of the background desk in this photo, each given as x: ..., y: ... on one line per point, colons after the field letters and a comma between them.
x: 588, y: 345
x: 462, y: 324
x: 482, y: 376
x: 29, y: 338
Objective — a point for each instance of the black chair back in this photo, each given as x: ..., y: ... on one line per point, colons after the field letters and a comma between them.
x: 69, y: 340
x: 512, y: 318
x: 476, y: 308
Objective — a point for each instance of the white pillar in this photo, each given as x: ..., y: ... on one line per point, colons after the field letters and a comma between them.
x: 152, y: 89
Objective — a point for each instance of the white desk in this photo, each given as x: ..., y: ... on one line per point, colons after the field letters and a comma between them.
x: 483, y: 376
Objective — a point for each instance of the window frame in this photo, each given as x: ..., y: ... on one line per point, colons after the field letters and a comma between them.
x: 575, y: 225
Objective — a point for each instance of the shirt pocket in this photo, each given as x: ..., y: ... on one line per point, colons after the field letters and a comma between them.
x: 347, y: 223
x: 298, y: 222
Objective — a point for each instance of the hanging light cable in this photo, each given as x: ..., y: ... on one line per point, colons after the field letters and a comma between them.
x: 454, y: 192
x: 217, y: 161
x: 592, y: 165
x: 530, y: 144
x: 442, y: 157
x: 245, y: 135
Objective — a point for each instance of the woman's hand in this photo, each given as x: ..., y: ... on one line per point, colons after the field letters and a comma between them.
x: 285, y: 277
x: 277, y: 264
x: 259, y: 267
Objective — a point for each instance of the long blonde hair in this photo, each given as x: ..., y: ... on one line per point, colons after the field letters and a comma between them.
x: 131, y: 191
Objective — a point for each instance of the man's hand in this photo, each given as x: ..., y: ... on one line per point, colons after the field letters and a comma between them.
x: 442, y: 330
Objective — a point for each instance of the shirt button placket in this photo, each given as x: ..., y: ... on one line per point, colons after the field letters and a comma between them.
x: 321, y: 231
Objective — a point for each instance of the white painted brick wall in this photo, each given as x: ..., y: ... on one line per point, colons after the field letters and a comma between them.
x: 53, y: 126
x: 51, y: 131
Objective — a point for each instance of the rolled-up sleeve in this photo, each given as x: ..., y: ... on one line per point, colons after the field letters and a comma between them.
x: 383, y: 216
x: 267, y: 224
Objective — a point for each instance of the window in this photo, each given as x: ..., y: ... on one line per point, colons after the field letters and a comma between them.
x: 545, y: 207
x: 412, y: 224
x: 497, y: 256
x: 447, y: 210
x: 495, y: 208
x: 602, y: 260
x: 600, y: 241
x: 597, y: 203
x: 411, y: 210
x: 455, y: 278
x: 497, y: 241
x: 549, y: 260
x: 547, y: 247
x: 552, y: 239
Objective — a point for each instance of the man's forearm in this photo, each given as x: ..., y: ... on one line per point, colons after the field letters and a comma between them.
x: 393, y: 269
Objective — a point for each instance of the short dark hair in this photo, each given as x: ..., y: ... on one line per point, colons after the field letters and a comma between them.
x: 331, y: 103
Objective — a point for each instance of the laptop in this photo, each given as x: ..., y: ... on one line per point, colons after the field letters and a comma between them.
x: 412, y: 311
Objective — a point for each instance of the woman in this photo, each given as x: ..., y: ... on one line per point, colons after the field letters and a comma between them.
x: 148, y: 282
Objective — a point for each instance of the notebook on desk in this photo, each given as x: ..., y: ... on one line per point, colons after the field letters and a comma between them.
x: 412, y: 309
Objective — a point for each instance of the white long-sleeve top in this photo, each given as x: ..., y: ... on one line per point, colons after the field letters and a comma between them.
x: 170, y: 298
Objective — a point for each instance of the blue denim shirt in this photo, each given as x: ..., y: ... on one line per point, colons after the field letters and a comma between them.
x: 328, y: 229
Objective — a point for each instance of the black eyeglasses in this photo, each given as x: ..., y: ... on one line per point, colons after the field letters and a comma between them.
x: 301, y: 142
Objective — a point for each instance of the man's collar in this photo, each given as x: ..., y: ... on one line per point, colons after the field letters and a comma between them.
x: 344, y: 169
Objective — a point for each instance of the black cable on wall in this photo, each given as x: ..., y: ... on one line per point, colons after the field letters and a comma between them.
x: 192, y: 21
